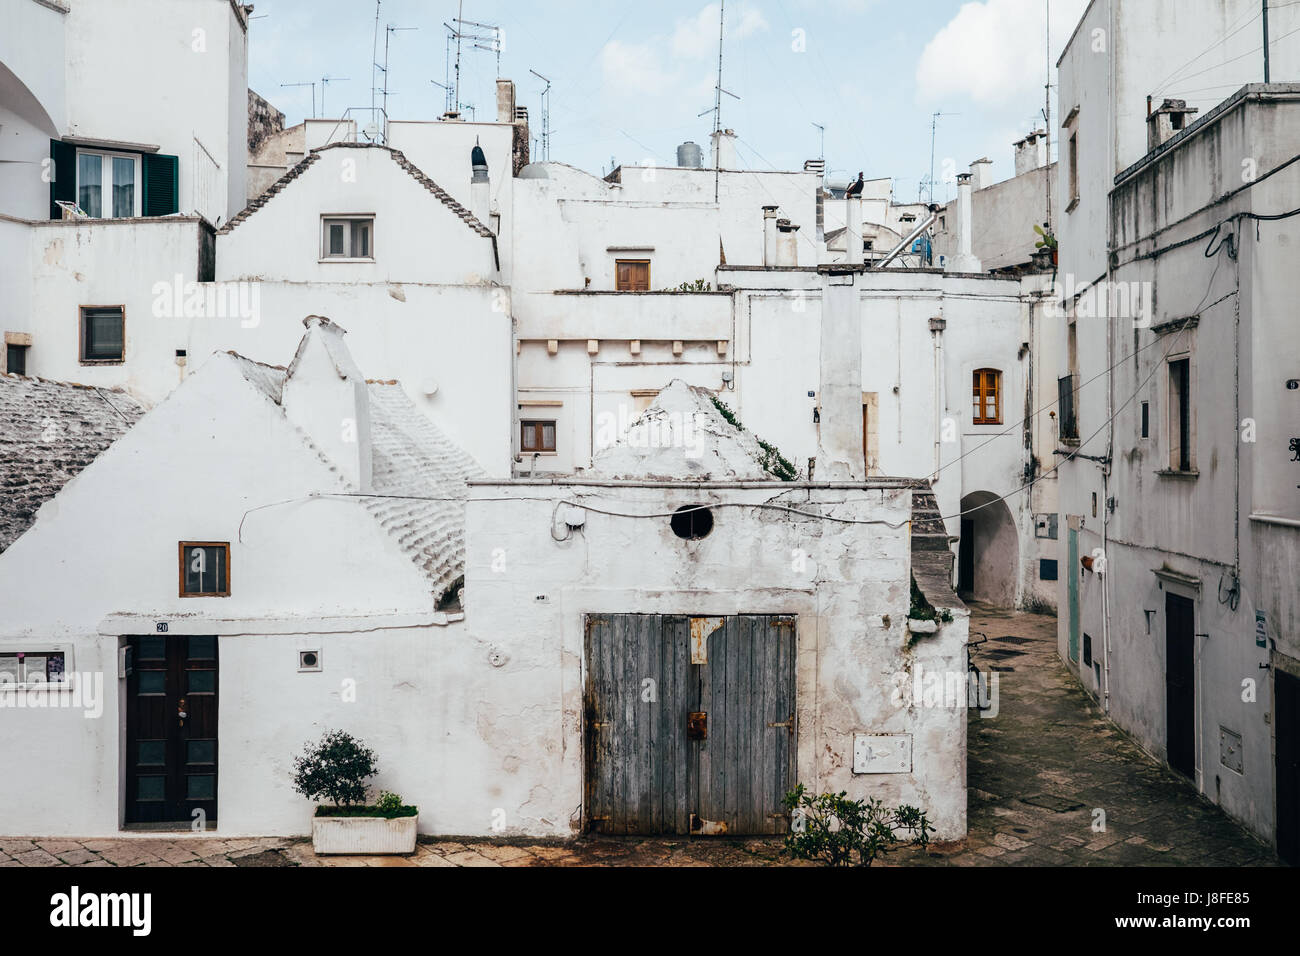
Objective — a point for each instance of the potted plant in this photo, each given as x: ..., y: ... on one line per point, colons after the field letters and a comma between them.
x: 336, y: 768
x: 1046, y: 243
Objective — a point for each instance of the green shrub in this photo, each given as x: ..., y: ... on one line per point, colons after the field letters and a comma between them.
x: 837, y: 831
x: 335, y: 768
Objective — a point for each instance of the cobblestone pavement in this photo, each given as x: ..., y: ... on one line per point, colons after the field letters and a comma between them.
x: 1037, y: 773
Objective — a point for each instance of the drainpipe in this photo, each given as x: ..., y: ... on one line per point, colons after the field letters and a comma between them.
x: 937, y: 325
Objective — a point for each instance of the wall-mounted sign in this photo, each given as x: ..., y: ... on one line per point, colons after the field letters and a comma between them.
x: 1261, y: 629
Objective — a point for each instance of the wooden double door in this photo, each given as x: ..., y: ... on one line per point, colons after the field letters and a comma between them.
x: 689, y: 723
x: 171, y: 730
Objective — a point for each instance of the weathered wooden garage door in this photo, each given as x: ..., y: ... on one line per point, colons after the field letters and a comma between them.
x: 689, y: 723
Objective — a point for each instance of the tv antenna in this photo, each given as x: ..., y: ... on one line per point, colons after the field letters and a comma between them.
x: 325, y: 81
x: 546, y: 116
x: 313, y: 94
x: 934, y: 129
x: 480, y: 36
x: 822, y: 129
x: 388, y: 38
x: 446, y: 94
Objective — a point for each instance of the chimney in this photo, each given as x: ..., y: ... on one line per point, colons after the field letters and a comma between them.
x: 325, y: 395
x: 840, y: 452
x: 724, y: 149
x: 964, y: 260
x: 1031, y: 152
x: 853, y: 230
x: 787, y: 244
x: 817, y: 166
x: 981, y: 172
x: 769, y: 236
x: 505, y: 101
x: 480, y: 186
x: 1165, y: 123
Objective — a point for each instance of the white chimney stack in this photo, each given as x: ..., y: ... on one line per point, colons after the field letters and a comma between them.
x: 724, y: 149
x: 853, y: 230
x: 769, y: 236
x: 964, y: 260
x: 505, y: 101
x: 787, y: 244
x: 1031, y: 152
x: 480, y: 186
x: 981, y: 172
x: 326, y: 396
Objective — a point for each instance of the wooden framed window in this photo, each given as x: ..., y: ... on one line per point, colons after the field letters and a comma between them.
x: 16, y: 359
x: 205, y: 569
x: 537, y: 435
x: 987, y: 397
x: 632, y: 275
x: 103, y: 334
x: 347, y: 237
x: 1180, y: 415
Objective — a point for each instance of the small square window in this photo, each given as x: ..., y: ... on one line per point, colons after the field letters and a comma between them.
x: 350, y: 237
x: 205, y: 568
x: 537, y: 436
x: 103, y: 334
x: 309, y: 662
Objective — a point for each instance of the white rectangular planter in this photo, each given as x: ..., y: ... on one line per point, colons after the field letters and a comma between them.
x: 363, y: 835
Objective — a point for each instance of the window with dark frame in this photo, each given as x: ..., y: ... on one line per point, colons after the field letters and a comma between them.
x: 537, y: 435
x: 1146, y: 419
x: 32, y: 667
x: 16, y: 359
x: 987, y: 390
x: 1074, y: 168
x: 103, y: 334
x: 1180, y: 415
x: 632, y: 275
x: 205, y: 569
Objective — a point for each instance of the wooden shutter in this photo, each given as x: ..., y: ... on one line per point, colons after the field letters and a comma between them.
x: 632, y: 275
x: 161, y: 185
x: 63, y: 172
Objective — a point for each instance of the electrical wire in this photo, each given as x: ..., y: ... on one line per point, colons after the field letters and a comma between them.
x: 762, y: 506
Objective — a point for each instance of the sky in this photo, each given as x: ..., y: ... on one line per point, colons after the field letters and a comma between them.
x: 629, y: 79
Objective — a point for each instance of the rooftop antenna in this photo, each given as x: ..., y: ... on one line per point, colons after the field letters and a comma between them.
x: 822, y: 128
x: 489, y: 40
x: 1047, y: 110
x: 717, y: 94
x: 374, y: 60
x: 934, y: 129
x: 388, y: 37
x: 325, y: 81
x: 313, y: 94
x: 546, y: 116
x: 447, y: 94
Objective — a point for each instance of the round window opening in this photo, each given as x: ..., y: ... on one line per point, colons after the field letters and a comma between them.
x: 692, y: 522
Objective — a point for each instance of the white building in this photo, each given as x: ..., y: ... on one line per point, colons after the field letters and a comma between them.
x: 317, y: 527
x: 1178, y: 483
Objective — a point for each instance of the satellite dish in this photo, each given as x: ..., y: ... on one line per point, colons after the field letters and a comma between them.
x: 371, y: 130
x: 430, y: 387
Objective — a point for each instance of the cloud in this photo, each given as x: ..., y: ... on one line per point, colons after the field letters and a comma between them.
x: 992, y: 51
x: 635, y: 67
x: 696, y: 37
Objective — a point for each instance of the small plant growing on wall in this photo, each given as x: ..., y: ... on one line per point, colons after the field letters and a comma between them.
x: 836, y: 831
x: 335, y: 768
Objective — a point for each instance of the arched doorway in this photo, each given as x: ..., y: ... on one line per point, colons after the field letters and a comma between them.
x: 988, y: 557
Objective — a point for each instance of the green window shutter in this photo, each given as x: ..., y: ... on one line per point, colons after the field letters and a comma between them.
x: 161, y: 185
x: 63, y: 175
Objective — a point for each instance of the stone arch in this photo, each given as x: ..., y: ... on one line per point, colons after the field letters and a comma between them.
x: 988, y: 556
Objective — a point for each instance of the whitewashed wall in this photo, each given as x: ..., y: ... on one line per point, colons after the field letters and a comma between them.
x: 527, y: 595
